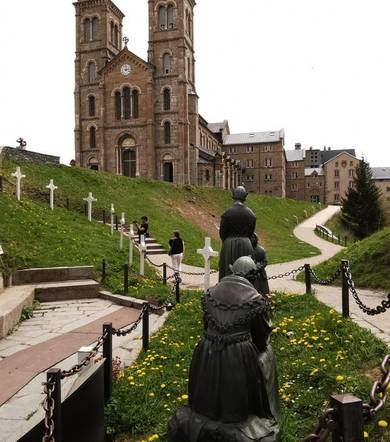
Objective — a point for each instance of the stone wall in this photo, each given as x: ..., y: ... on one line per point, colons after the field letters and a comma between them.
x: 28, y: 156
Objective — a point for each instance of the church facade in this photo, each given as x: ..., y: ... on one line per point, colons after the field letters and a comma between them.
x: 139, y: 118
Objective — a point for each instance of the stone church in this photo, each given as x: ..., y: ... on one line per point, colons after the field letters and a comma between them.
x: 139, y: 118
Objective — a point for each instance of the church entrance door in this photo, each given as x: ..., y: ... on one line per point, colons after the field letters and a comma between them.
x: 129, y: 163
x: 168, y: 172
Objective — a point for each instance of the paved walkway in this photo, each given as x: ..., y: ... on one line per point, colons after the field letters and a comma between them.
x: 329, y: 295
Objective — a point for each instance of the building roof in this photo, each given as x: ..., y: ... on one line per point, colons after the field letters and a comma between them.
x: 295, y: 155
x: 327, y: 155
x: 254, y: 137
x: 380, y: 173
x: 216, y: 127
x: 309, y: 171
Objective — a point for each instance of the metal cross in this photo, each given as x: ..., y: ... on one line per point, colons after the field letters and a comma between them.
x: 125, y: 40
x: 52, y: 188
x: 19, y: 176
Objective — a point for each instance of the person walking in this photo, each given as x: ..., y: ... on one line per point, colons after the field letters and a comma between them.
x: 142, y: 229
x: 176, y: 251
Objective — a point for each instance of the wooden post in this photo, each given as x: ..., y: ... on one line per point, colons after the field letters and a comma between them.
x: 54, y: 376
x: 348, y: 418
x: 165, y: 273
x: 145, y: 328
x: 107, y: 354
x: 308, y: 279
x: 126, y: 279
x: 345, y: 288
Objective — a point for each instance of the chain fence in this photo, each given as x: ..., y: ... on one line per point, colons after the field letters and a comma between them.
x: 48, y: 406
x: 381, y: 308
x: 284, y: 275
x: 328, y: 281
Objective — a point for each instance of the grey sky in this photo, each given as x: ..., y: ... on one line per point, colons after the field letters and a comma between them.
x: 318, y: 68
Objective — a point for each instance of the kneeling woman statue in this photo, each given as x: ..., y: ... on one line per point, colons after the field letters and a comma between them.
x: 233, y: 391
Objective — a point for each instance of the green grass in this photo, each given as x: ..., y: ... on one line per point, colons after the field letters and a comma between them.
x: 194, y: 211
x: 313, y: 345
x: 33, y: 236
x: 369, y: 261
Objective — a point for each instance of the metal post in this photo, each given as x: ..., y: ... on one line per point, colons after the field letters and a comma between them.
x: 348, y: 418
x: 345, y: 288
x: 308, y: 279
x: 67, y: 204
x: 1, y: 183
x: 54, y: 376
x: 104, y: 271
x: 126, y: 279
x: 85, y: 209
x: 104, y: 217
x: 177, y: 289
x: 145, y: 328
x: 165, y: 273
x: 107, y: 355
x: 116, y: 222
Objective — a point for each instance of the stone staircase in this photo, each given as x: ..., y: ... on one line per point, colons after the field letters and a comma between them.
x: 152, y: 246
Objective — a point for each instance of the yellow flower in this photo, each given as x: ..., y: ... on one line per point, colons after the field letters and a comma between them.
x: 130, y: 378
x: 153, y: 437
x: 314, y: 371
x: 151, y: 394
x: 162, y: 385
x: 365, y: 435
x: 184, y: 396
x: 339, y: 378
x: 383, y: 424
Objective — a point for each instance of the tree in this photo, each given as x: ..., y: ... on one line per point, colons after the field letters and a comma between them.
x: 362, y: 211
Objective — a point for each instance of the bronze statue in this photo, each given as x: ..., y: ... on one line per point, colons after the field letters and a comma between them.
x: 233, y: 392
x: 237, y: 227
x: 260, y: 258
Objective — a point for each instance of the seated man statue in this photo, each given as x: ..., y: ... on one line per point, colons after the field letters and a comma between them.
x: 233, y: 391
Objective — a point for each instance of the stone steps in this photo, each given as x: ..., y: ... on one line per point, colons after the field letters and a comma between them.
x: 65, y: 290
x: 52, y: 274
x: 152, y: 246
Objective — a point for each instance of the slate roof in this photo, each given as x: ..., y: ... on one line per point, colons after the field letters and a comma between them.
x: 254, y: 137
x: 216, y: 127
x: 295, y: 155
x: 380, y: 173
x: 309, y: 171
x: 327, y: 155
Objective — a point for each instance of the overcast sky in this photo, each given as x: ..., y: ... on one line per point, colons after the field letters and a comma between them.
x: 320, y: 69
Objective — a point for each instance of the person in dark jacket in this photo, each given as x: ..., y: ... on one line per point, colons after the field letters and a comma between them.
x: 176, y: 251
x: 237, y: 227
x: 143, y: 228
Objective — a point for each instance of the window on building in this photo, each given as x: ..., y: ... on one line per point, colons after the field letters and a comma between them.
x: 92, y: 137
x: 249, y: 149
x: 126, y: 103
x: 129, y: 163
x: 336, y: 197
x: 267, y: 148
x: 250, y: 164
x: 268, y: 177
x: 351, y: 172
x: 337, y: 185
x: 167, y: 63
x: 232, y: 149
x: 167, y: 132
x: 116, y: 36
x: 351, y: 163
x: 112, y: 32
x: 91, y: 106
x: 94, y: 30
x: 167, y: 99
x: 350, y: 184
x: 388, y: 189
x: 308, y: 185
x: 135, y: 103
x: 170, y: 11
x: 91, y: 72
x: 294, y: 175
x: 162, y: 17
x: 207, y: 175
x: 337, y: 173
x: 294, y: 187
x: 268, y: 162
x: 250, y: 177
x: 337, y: 164
x: 118, y: 105
x: 87, y: 30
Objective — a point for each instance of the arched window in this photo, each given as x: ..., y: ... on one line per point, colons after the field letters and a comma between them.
x: 135, y: 99
x: 167, y: 132
x: 91, y: 106
x: 162, y: 18
x: 167, y: 64
x: 118, y: 105
x: 126, y: 103
x: 129, y: 163
x: 87, y: 30
x: 92, y: 137
x: 116, y: 37
x: 94, y: 28
x: 112, y: 32
x: 167, y: 99
x: 170, y: 10
x: 91, y: 72
x: 93, y: 164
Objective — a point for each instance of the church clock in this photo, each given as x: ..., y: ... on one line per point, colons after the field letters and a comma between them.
x: 126, y: 69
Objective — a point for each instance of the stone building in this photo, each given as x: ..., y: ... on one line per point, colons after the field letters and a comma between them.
x: 295, y: 173
x: 138, y: 117
x: 381, y: 177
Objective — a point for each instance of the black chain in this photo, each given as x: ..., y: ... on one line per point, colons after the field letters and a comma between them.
x: 119, y: 332
x: 283, y: 275
x: 326, y: 424
x: 48, y: 406
x: 151, y: 262
x: 325, y: 281
x: 382, y: 308
x: 175, y: 270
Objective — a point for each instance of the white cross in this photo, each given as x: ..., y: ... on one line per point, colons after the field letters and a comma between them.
x: 1, y: 250
x: 19, y: 176
x: 131, y: 234
x: 90, y: 200
x: 112, y: 218
x: 52, y: 188
x: 142, y: 252
x: 122, y: 221
x: 207, y: 252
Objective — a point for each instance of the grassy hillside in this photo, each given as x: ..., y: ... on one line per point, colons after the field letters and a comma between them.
x: 33, y: 236
x: 194, y: 211
x: 369, y: 259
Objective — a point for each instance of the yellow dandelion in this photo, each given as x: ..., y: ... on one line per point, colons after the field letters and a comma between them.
x: 339, y: 378
x: 383, y: 424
